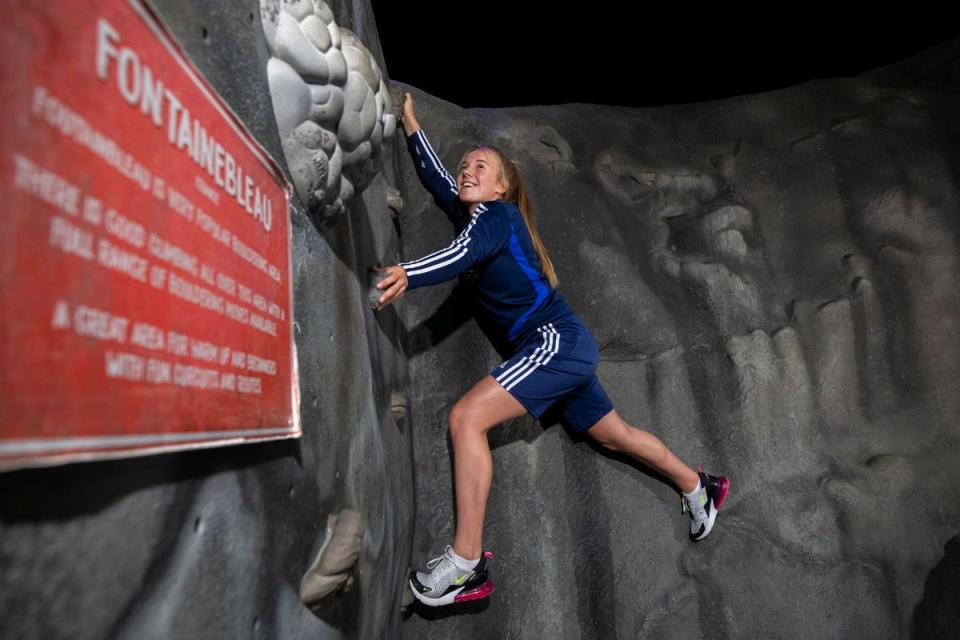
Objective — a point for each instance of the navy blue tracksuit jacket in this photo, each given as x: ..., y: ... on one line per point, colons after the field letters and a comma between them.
x: 494, y: 242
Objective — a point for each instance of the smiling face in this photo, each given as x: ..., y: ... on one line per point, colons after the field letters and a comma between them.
x: 479, y: 177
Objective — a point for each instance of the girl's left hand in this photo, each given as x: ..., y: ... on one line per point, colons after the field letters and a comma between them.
x: 393, y: 284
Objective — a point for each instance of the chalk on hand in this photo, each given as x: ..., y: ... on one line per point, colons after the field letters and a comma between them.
x: 373, y: 294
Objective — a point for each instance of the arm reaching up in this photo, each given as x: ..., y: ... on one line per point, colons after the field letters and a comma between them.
x: 433, y: 175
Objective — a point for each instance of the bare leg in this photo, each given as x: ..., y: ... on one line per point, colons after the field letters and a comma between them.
x: 479, y: 410
x: 615, y: 434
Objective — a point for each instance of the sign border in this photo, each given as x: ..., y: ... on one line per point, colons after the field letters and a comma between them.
x: 94, y: 448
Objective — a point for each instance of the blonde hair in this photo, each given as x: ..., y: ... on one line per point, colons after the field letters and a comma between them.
x: 516, y: 193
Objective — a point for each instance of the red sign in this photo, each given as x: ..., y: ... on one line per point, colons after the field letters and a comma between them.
x: 145, y: 258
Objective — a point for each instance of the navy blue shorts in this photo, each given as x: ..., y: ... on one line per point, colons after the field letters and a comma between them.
x: 557, y: 364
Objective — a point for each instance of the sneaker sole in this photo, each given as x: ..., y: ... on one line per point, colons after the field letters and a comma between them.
x: 722, y: 490
x: 476, y: 593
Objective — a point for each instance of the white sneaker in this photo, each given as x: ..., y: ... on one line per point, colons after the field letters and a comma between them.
x: 447, y: 583
x: 703, y: 506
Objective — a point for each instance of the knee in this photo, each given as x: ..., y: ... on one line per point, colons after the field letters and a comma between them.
x: 613, y: 439
x: 459, y: 422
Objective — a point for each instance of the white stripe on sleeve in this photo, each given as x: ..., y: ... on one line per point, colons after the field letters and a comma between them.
x: 435, y: 160
x: 458, y: 246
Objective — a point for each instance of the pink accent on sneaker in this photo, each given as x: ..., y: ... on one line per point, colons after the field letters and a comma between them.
x: 723, y: 483
x: 699, y: 468
x: 482, y: 591
x: 488, y: 555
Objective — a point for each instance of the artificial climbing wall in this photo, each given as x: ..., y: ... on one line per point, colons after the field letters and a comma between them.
x: 214, y: 543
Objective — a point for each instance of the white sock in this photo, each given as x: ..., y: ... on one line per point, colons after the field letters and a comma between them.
x: 693, y: 494
x: 463, y: 563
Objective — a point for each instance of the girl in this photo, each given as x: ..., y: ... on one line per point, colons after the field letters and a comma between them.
x: 554, y: 356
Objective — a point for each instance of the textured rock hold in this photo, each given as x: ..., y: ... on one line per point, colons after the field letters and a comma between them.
x: 329, y: 572
x: 323, y: 75
x: 398, y: 406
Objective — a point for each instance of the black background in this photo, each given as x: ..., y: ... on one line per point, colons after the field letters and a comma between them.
x: 491, y: 53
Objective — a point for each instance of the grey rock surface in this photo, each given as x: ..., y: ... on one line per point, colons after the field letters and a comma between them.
x: 772, y: 280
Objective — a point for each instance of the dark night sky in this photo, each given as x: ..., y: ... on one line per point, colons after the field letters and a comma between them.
x: 489, y: 53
